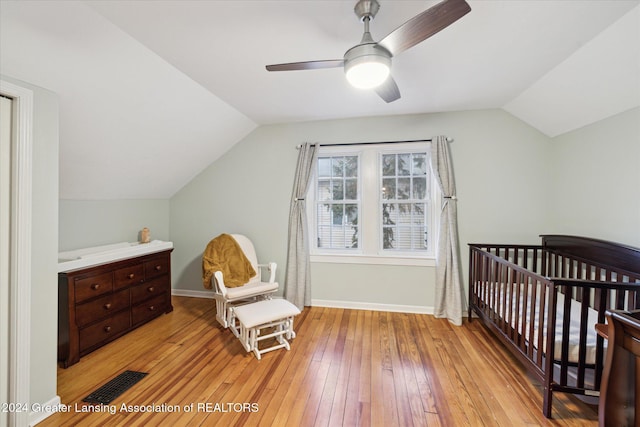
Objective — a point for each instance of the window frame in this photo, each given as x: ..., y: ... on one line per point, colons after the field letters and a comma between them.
x: 342, y: 201
x: 370, y: 199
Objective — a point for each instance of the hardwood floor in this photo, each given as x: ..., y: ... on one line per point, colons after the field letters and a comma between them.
x: 345, y: 367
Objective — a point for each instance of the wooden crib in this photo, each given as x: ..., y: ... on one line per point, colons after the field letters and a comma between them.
x: 542, y: 300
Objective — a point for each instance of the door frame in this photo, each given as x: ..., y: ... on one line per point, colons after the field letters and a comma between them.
x: 20, y: 223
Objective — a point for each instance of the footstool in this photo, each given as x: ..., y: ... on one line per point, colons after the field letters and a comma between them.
x: 249, y: 319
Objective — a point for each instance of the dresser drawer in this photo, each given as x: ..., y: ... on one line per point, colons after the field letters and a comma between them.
x: 148, y: 309
x: 156, y: 267
x: 127, y: 276
x: 102, y: 307
x: 150, y: 289
x: 104, y: 330
x: 93, y: 286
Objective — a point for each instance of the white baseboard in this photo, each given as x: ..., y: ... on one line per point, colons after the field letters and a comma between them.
x: 40, y: 412
x: 372, y: 306
x: 193, y: 294
x: 328, y: 303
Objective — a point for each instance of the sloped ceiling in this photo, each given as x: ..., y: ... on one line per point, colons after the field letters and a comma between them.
x: 600, y: 79
x: 151, y: 92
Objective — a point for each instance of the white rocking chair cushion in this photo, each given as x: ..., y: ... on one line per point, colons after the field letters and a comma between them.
x: 259, y: 313
x: 251, y: 289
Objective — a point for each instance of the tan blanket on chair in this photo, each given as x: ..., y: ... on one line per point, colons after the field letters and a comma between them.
x: 224, y: 254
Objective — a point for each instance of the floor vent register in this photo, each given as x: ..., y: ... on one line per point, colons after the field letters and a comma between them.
x: 114, y: 388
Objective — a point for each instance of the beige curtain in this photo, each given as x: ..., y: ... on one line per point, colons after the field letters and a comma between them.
x: 449, y: 301
x: 297, y: 282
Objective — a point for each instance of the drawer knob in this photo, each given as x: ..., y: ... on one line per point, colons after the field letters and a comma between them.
x: 95, y: 286
x: 131, y: 276
x: 158, y: 267
x: 107, y: 329
x: 107, y: 306
x: 151, y: 289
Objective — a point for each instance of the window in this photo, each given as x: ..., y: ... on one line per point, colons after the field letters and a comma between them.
x: 373, y: 203
x: 337, y: 202
x: 404, y: 201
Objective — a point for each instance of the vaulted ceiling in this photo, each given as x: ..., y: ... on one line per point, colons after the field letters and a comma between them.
x: 151, y: 92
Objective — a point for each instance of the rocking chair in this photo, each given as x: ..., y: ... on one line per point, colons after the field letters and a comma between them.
x: 227, y: 297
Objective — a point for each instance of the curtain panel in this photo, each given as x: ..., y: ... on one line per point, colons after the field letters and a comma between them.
x: 297, y: 283
x: 449, y: 300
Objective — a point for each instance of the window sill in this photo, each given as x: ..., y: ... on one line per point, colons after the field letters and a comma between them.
x: 372, y: 259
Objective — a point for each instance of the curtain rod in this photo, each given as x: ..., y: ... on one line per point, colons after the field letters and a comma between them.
x: 339, y: 144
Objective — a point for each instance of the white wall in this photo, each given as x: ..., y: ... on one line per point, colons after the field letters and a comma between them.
x: 596, y: 189
x: 44, y: 246
x: 499, y: 162
x: 86, y: 223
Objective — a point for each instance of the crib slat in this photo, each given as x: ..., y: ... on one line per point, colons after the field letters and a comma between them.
x: 517, y: 337
x: 582, y: 351
x: 547, y: 399
x: 566, y: 320
x: 532, y: 292
x: 509, y: 302
x: 620, y: 300
x: 542, y: 326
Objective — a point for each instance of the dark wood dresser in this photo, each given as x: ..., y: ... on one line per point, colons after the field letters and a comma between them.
x: 619, y: 404
x: 100, y: 303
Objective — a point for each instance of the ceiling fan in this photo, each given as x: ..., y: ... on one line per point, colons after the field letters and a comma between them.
x: 367, y: 65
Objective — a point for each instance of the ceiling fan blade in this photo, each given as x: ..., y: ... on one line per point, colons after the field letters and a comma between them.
x: 308, y: 65
x: 388, y: 90
x: 424, y: 25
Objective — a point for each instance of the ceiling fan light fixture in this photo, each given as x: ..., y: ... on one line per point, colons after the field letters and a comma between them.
x: 367, y: 66
x: 367, y: 74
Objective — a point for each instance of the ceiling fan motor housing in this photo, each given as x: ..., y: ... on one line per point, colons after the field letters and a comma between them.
x: 366, y: 8
x: 365, y: 52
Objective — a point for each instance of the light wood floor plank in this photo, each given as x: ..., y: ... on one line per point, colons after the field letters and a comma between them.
x: 352, y: 403
x: 377, y: 392
x: 345, y: 367
x: 409, y: 411
x: 348, y: 330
